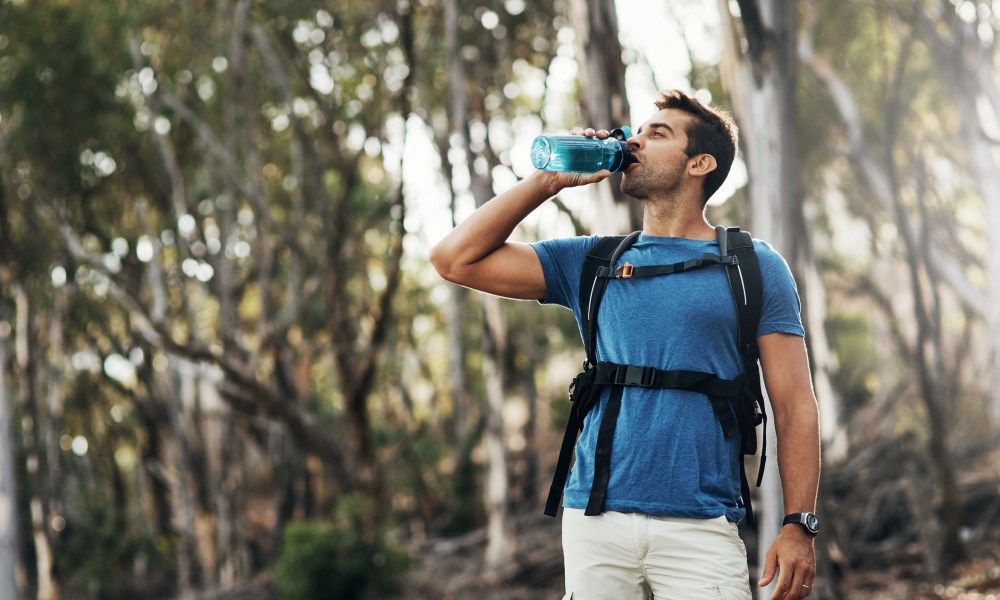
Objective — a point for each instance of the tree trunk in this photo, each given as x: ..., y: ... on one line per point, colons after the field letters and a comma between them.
x: 34, y: 444
x: 179, y: 396
x: 9, y: 549
x: 930, y: 376
x: 760, y: 84
x: 500, y: 527
x: 761, y: 81
x: 501, y: 540
x: 605, y: 105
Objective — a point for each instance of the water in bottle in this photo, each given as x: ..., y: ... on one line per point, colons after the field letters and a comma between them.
x: 582, y: 154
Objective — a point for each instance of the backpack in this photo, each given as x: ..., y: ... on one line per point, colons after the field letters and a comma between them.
x: 737, y: 403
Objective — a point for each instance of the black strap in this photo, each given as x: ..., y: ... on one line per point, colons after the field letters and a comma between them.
x: 582, y: 393
x: 604, y: 253
x: 747, y: 289
x: 606, y: 373
x: 627, y: 271
x: 602, y: 454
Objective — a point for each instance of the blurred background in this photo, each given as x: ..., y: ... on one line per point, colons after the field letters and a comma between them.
x: 227, y: 370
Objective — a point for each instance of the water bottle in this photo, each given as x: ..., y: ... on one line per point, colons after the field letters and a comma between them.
x: 582, y: 154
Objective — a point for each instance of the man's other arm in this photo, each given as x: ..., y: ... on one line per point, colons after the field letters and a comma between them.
x: 785, y: 365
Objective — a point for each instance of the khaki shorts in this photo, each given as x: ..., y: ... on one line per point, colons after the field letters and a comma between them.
x: 632, y: 556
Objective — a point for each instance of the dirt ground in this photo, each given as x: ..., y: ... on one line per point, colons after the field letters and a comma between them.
x: 452, y: 569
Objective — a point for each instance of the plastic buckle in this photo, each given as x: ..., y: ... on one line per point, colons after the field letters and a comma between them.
x: 624, y: 272
x: 640, y: 376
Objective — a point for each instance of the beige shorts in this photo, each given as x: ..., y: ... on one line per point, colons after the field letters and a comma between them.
x: 632, y: 556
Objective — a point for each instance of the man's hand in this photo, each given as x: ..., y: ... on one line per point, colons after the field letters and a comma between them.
x: 793, y: 556
x: 556, y: 181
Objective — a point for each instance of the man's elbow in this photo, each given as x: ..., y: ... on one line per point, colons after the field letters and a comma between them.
x: 443, y: 262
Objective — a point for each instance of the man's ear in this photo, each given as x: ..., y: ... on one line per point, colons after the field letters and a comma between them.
x: 701, y: 165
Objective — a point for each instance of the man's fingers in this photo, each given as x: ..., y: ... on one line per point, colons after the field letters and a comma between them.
x: 770, y: 566
x: 591, y: 132
x: 792, y: 584
x: 783, y: 589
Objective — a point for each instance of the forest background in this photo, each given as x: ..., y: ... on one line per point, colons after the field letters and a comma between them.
x: 228, y: 371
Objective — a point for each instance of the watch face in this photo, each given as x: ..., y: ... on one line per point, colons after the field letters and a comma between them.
x: 812, y: 522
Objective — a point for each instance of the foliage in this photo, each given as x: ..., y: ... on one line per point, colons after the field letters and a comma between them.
x: 331, y: 560
x: 213, y: 273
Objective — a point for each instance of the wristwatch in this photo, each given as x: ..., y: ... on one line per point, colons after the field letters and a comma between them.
x: 809, y: 521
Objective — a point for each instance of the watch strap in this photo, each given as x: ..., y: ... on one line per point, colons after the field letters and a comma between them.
x: 806, y: 520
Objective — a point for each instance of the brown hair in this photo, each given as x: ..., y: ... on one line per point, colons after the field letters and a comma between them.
x: 711, y: 131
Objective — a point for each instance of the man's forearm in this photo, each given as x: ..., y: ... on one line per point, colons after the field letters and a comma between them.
x: 492, y: 224
x: 799, y: 457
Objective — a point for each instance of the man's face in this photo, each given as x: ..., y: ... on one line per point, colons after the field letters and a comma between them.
x: 658, y: 145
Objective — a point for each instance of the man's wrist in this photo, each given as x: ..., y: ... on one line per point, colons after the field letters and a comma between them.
x: 807, y: 522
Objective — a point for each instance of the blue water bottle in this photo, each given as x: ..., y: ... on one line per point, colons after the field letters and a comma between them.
x: 582, y: 154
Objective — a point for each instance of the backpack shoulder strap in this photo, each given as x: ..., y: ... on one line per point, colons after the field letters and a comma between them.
x: 747, y: 286
x: 603, y: 254
x: 748, y: 294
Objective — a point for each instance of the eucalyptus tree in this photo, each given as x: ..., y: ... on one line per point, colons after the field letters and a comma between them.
x: 214, y: 226
x: 901, y: 147
x: 509, y: 48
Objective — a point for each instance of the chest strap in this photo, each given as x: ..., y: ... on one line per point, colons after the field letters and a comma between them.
x: 628, y: 270
x: 585, y: 390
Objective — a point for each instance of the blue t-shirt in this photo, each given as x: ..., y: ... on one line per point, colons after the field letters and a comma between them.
x: 669, y: 455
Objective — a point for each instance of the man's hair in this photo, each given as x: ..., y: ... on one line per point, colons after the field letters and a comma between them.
x: 710, y: 131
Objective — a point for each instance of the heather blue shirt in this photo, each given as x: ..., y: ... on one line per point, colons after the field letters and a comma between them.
x: 669, y: 455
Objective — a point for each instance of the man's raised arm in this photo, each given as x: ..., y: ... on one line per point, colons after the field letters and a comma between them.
x: 477, y: 253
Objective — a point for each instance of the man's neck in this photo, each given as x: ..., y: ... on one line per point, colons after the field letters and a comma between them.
x: 678, y: 218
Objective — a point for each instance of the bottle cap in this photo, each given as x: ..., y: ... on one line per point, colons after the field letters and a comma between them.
x: 622, y: 134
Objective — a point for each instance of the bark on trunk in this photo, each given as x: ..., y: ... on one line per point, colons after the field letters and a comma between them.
x: 34, y: 444
x: 9, y: 549
x: 501, y: 542
x: 500, y: 527
x: 762, y: 80
x: 759, y: 82
x: 605, y: 105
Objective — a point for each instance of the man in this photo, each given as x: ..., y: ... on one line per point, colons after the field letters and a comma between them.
x: 668, y: 527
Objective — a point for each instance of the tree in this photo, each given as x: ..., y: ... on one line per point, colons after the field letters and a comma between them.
x: 965, y: 57
x: 898, y: 181
x: 244, y: 207
x: 602, y: 91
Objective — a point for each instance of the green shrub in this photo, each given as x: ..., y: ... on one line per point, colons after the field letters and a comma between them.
x: 323, y: 561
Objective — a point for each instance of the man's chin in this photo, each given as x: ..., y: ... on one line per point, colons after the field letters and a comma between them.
x: 631, y: 190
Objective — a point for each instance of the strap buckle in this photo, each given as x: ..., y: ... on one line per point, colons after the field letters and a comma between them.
x: 632, y: 375
x: 624, y: 272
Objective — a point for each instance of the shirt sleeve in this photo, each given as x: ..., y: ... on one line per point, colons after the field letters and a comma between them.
x: 782, y: 310
x: 562, y: 262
